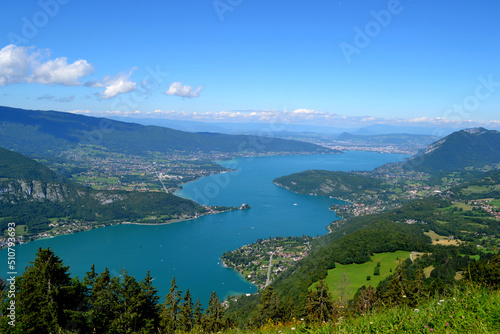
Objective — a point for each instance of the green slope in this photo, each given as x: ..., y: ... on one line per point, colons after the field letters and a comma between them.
x: 31, y: 194
x: 328, y: 183
x: 43, y: 133
x: 16, y: 166
x: 466, y: 148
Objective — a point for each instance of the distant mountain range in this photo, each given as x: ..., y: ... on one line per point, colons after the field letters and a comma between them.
x: 474, y: 147
x: 231, y: 128
x: 43, y: 133
x: 283, y: 128
x: 394, y: 139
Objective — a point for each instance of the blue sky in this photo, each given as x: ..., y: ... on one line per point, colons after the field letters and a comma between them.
x: 332, y: 63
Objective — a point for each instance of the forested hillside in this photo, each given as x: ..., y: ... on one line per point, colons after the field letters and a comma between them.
x: 32, y: 195
x: 465, y: 216
x: 47, y: 133
x: 329, y: 183
x: 475, y: 147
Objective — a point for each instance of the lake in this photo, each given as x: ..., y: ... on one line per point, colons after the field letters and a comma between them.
x: 191, y: 250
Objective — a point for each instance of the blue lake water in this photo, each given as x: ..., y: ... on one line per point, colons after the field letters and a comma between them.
x: 191, y: 250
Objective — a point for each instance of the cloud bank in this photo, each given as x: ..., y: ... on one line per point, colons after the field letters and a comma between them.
x: 19, y: 64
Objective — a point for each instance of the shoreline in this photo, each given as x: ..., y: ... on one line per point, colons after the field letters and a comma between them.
x: 176, y: 193
x: 103, y: 225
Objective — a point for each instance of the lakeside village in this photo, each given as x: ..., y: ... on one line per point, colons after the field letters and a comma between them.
x: 60, y: 227
x: 263, y: 260
x: 405, y: 185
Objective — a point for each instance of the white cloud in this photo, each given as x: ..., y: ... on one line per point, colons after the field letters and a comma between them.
x: 118, y: 84
x: 80, y: 111
x: 19, y: 64
x: 178, y: 89
x: 14, y: 64
x: 122, y: 113
x: 58, y: 71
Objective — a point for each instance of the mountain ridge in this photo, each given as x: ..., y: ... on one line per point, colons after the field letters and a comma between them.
x: 31, y: 194
x: 474, y: 147
x: 48, y: 133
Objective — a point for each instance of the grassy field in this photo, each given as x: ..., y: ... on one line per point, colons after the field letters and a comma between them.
x: 464, y: 206
x: 20, y: 230
x: 471, y: 310
x: 428, y: 270
x: 440, y: 239
x: 357, y: 273
x: 475, y: 190
x: 496, y: 203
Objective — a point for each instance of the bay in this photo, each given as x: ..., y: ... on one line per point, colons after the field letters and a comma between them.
x: 190, y: 251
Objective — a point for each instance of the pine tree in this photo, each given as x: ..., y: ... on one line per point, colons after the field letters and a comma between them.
x: 198, y: 313
x: 397, y: 289
x: 132, y: 316
x: 186, y: 321
x: 416, y: 289
x: 150, y: 308
x: 102, y: 299
x: 47, y: 299
x: 214, y: 317
x: 320, y: 304
x: 269, y: 306
x: 170, y: 312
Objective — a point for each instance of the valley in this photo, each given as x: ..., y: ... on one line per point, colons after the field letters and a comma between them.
x: 389, y: 217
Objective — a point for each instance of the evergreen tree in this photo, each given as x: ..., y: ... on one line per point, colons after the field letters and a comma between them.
x: 416, y: 288
x: 170, y: 312
x: 47, y: 299
x: 198, y: 313
x: 214, y: 317
x: 150, y: 309
x: 102, y: 300
x: 134, y: 316
x: 397, y: 289
x: 485, y: 272
x: 320, y: 304
x: 186, y: 321
x: 269, y: 306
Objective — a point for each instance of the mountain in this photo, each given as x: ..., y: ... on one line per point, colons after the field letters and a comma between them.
x: 397, y: 139
x: 474, y: 147
x: 45, y: 133
x: 31, y: 194
x: 328, y: 183
x: 16, y: 166
x: 382, y: 129
x: 231, y: 128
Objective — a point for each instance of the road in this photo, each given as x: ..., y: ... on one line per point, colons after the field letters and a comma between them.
x: 269, y: 270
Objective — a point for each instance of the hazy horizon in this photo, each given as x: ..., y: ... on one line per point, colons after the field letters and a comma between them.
x: 334, y: 64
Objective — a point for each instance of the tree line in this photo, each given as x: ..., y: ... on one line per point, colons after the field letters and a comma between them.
x: 48, y: 300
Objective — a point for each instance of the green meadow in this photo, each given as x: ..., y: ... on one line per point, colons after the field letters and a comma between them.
x: 470, y: 309
x: 357, y: 273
